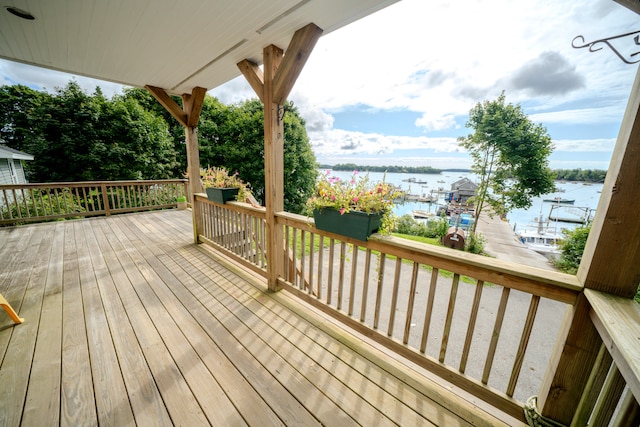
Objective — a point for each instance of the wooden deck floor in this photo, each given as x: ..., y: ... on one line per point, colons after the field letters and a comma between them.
x: 129, y: 323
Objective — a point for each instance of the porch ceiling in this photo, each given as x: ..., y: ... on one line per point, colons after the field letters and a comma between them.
x: 163, y: 43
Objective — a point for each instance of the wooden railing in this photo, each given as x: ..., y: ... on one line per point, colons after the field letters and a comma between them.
x: 22, y: 203
x: 613, y: 390
x: 467, y: 318
x: 237, y: 229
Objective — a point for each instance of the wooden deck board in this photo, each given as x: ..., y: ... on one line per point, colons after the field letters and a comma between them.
x: 129, y: 323
x: 109, y: 372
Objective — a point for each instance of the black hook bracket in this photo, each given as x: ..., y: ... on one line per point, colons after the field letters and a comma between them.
x: 616, y: 44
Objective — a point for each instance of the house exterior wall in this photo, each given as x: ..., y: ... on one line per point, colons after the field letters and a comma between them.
x: 11, y: 172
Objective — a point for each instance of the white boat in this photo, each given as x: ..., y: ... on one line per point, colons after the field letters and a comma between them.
x: 542, y: 239
x: 422, y: 214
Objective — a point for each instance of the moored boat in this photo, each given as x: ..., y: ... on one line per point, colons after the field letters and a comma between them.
x: 560, y: 200
x: 542, y: 239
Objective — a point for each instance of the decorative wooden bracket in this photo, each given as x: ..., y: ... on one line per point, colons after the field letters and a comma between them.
x: 289, y: 69
x: 189, y: 114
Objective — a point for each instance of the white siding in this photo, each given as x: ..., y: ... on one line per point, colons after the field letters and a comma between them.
x: 6, y: 175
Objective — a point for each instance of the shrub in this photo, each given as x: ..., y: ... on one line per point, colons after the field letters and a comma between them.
x: 572, y: 247
x: 475, y: 243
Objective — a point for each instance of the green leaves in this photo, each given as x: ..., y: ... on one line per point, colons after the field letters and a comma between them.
x: 79, y: 137
x: 75, y: 136
x: 510, y: 155
x: 233, y: 137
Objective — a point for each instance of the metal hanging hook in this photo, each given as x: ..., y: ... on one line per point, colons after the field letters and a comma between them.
x: 596, y: 45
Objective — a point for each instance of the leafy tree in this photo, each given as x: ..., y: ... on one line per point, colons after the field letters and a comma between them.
x: 233, y: 137
x: 571, y: 248
x: 76, y: 137
x: 176, y: 130
x: 19, y: 115
x: 510, y: 155
x: 134, y: 143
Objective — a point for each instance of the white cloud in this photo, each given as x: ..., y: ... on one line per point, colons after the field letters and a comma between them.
x: 606, y: 114
x: 44, y: 79
x: 439, y: 58
x: 601, y: 145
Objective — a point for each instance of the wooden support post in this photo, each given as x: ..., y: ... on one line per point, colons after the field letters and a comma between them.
x: 272, y: 87
x: 273, y: 166
x: 609, y: 264
x: 188, y: 116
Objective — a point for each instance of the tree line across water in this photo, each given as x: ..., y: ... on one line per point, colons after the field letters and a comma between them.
x: 581, y: 175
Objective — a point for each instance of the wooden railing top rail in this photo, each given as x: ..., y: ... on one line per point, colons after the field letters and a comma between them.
x: 549, y: 284
x: 259, y: 211
x: 617, y: 320
x: 89, y: 183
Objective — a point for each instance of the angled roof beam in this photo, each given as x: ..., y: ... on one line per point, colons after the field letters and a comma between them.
x: 295, y: 58
x: 169, y: 104
x: 254, y: 76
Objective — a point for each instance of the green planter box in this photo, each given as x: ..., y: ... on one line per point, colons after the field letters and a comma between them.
x: 355, y: 224
x: 221, y: 195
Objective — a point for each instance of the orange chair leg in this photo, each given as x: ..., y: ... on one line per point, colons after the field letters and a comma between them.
x: 7, y: 307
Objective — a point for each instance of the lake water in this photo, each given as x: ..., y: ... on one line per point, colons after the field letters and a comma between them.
x: 585, y: 196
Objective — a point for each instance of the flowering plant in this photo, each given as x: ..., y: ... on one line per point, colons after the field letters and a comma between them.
x: 357, y: 194
x: 219, y: 177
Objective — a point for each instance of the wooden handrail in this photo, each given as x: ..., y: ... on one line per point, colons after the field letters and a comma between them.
x: 35, y: 202
x: 347, y: 279
x: 617, y: 320
x: 549, y: 284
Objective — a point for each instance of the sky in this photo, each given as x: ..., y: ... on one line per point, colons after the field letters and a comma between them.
x: 396, y: 87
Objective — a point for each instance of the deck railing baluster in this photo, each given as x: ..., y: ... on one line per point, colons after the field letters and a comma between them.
x: 429, y: 310
x: 320, y: 267
x: 394, y: 297
x: 311, y: 251
x: 303, y: 245
x: 31, y: 193
x: 471, y: 326
x: 287, y: 260
x: 343, y: 256
x: 449, y: 318
x: 365, y: 285
x: 354, y: 271
x: 332, y: 245
x: 522, y: 347
x: 495, y: 335
x: 412, y: 297
x: 380, y: 282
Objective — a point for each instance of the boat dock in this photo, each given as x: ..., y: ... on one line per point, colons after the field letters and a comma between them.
x: 502, y: 243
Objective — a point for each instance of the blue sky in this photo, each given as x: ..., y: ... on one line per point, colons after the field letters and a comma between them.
x: 396, y: 87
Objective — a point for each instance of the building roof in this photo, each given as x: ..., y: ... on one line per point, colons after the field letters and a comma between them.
x: 464, y: 183
x: 174, y: 45
x: 10, y: 153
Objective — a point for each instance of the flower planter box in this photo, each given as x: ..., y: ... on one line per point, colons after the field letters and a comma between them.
x: 221, y: 195
x: 354, y: 224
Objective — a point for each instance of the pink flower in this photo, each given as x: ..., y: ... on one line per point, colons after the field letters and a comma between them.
x: 342, y: 211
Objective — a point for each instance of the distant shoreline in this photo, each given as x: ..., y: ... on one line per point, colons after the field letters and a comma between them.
x: 569, y: 175
x: 390, y: 169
